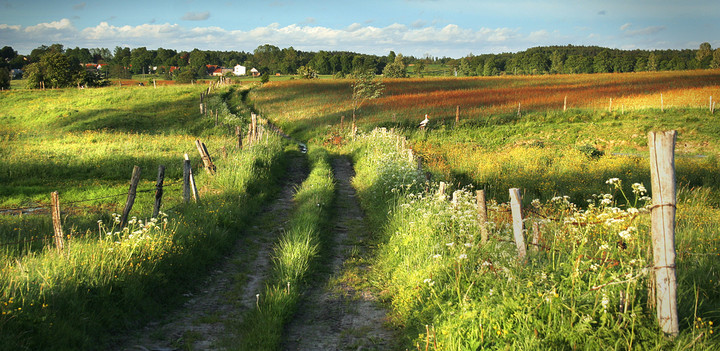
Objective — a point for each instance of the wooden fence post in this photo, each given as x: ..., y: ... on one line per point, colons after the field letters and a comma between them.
x: 482, y: 215
x: 536, y: 236
x: 57, y: 225
x: 610, y: 106
x: 662, y: 105
x: 662, y: 175
x: 205, y: 156
x: 517, y: 222
x: 441, y: 190
x: 158, y: 191
x: 565, y: 104
x: 131, y: 196
x: 238, y: 134
x: 186, y: 179
x: 518, y: 110
x: 457, y: 115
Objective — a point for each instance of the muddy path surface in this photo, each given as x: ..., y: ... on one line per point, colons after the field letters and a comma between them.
x: 339, y: 312
x: 230, y: 289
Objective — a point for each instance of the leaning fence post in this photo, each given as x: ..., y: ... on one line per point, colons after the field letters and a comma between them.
x: 662, y: 175
x: 205, y: 156
x: 57, y: 226
x: 131, y: 196
x: 186, y: 179
x: 238, y: 135
x: 536, y: 236
x: 441, y: 190
x: 517, y: 222
x: 158, y: 191
x: 482, y: 215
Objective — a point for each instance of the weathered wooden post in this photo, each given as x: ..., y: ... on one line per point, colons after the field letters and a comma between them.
x: 134, y: 180
x: 482, y: 215
x: 158, y: 191
x: 186, y: 179
x: 662, y: 106
x: 662, y: 173
x: 710, y: 106
x: 238, y: 135
x: 518, y: 110
x: 457, y: 115
x: 57, y: 225
x: 205, y: 156
x: 565, y: 104
x: 610, y: 106
x: 342, y: 122
x: 517, y: 222
x: 536, y: 235
x: 441, y: 190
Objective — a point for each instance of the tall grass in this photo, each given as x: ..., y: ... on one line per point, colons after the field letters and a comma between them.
x: 109, y: 278
x: 585, y: 287
x: 294, y: 255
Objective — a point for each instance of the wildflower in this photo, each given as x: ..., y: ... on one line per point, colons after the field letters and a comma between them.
x: 627, y: 233
x: 604, y: 247
x: 462, y: 257
x: 468, y: 244
x: 614, y: 181
x: 535, y: 203
x: 605, y: 302
x: 450, y: 244
x: 633, y: 210
x: 429, y: 282
x: 436, y: 256
x: 100, y: 222
x: 639, y: 189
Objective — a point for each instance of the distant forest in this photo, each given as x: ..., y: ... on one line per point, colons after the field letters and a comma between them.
x: 122, y: 62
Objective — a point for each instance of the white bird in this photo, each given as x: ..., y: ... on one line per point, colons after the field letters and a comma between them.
x: 424, y: 122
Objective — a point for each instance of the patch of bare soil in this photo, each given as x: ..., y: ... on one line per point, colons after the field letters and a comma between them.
x: 229, y: 290
x: 339, y: 314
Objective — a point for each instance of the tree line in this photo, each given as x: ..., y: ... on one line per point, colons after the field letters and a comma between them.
x: 56, y: 66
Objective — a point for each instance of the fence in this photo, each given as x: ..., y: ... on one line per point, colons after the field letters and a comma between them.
x: 662, y: 212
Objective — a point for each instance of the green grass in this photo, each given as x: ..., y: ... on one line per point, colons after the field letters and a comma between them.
x: 295, y: 254
x: 109, y: 278
x: 580, y: 290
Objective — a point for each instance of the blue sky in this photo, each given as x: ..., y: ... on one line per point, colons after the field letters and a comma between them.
x: 452, y: 28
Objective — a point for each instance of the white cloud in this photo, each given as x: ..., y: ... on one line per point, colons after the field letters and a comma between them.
x: 625, y: 26
x: 643, y: 31
x: 79, y: 6
x: 196, y: 16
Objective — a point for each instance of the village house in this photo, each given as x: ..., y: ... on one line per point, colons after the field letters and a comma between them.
x: 239, y: 70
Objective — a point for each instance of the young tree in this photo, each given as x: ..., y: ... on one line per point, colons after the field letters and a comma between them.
x: 307, y: 72
x: 396, y: 69
x: 715, y: 63
x: 365, y: 87
x: 704, y: 55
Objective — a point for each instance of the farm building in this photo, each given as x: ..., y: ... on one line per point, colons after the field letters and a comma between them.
x: 239, y: 70
x: 254, y: 72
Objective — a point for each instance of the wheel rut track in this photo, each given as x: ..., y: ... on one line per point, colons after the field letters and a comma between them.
x: 230, y: 289
x: 333, y: 314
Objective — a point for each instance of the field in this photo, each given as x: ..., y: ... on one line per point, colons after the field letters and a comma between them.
x: 576, y: 146
x: 581, y: 289
x: 84, y: 144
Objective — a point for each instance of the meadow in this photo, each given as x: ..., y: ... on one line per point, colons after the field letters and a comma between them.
x: 84, y: 144
x: 585, y: 286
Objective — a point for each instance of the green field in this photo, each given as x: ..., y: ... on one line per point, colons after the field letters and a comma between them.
x: 585, y: 285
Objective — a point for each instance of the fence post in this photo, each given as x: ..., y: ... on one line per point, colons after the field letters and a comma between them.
x: 441, y: 190
x: 238, y: 134
x: 482, y: 215
x: 536, y: 236
x: 565, y: 104
x: 158, y: 191
x: 57, y: 225
x: 457, y: 115
x: 186, y: 179
x: 662, y: 175
x: 517, y: 222
x: 131, y: 196
x: 205, y: 156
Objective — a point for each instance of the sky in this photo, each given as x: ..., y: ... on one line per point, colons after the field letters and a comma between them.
x: 438, y: 28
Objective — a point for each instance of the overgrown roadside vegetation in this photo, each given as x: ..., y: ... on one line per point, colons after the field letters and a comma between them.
x: 109, y: 278
x: 294, y: 256
x: 585, y: 287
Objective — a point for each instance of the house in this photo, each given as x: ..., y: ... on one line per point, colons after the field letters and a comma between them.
x: 217, y: 72
x: 255, y: 72
x: 239, y: 70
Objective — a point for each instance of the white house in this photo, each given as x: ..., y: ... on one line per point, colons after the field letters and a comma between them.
x: 239, y: 70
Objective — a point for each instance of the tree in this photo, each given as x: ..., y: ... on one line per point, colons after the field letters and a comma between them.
x: 365, y: 87
x: 396, y: 69
x: 715, y: 63
x: 464, y: 67
x: 420, y: 68
x: 704, y: 55
x: 489, y: 68
x: 602, y: 62
x: 556, y: 62
x: 4, y: 78
x: 7, y: 54
x: 652, y: 62
x: 307, y: 72
x: 186, y: 76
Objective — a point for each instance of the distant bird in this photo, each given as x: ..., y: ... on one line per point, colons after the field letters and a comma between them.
x: 424, y: 122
